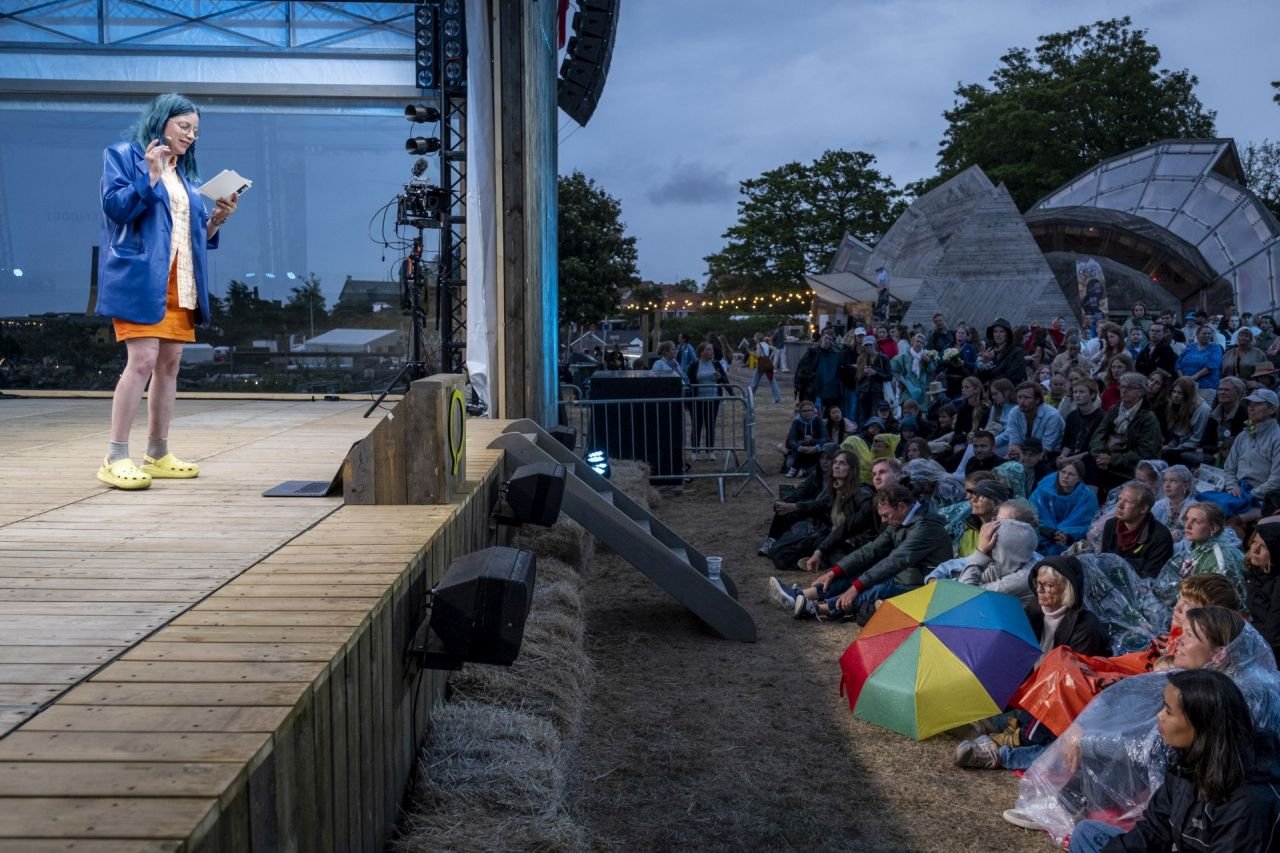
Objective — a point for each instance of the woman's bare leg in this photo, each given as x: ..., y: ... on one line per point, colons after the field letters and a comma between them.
x: 138, y: 368
x: 164, y: 389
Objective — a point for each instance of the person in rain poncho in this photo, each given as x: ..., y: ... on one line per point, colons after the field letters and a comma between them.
x: 1207, y: 551
x: 883, y: 446
x: 1111, y: 759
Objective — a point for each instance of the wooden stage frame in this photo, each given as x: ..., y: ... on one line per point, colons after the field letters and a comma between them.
x: 196, y: 667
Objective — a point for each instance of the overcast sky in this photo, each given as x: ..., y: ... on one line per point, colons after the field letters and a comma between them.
x: 705, y: 93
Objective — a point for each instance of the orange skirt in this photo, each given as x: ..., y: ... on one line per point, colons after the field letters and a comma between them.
x: 178, y: 323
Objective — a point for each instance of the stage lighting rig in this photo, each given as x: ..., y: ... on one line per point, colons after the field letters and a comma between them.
x: 421, y: 204
x: 419, y: 113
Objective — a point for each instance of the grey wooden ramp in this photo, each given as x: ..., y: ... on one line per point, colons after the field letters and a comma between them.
x: 634, y: 533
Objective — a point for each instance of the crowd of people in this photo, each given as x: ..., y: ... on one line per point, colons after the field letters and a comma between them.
x: 1122, y: 479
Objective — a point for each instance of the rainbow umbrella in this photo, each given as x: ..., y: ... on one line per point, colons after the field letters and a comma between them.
x: 937, y: 657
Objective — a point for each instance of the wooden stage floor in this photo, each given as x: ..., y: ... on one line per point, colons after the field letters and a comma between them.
x: 152, y: 642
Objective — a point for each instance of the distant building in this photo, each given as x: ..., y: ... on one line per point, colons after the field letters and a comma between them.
x: 344, y: 348
x: 370, y: 296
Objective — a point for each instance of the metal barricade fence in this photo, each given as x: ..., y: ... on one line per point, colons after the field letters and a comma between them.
x: 676, y: 436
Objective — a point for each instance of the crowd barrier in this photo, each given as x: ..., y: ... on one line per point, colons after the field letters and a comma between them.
x: 660, y: 431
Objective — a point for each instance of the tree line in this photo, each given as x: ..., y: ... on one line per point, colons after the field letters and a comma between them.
x: 1044, y: 115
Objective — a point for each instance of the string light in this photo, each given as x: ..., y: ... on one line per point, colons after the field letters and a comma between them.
x: 755, y: 301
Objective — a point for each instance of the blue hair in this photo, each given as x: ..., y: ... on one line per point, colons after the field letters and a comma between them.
x: 150, y: 125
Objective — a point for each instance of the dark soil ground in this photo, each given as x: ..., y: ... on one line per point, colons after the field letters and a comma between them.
x: 692, y: 742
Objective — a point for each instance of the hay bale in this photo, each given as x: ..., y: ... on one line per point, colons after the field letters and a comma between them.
x: 493, y: 774
x: 632, y: 479
x: 566, y: 541
x: 491, y: 779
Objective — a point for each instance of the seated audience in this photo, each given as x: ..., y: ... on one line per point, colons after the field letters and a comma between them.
x: 1128, y: 433
x: 1178, y: 495
x: 805, y: 439
x: 1066, y: 506
x: 1253, y: 465
x: 1134, y: 534
x: 1222, y: 791
x: 913, y: 542
x: 1262, y: 563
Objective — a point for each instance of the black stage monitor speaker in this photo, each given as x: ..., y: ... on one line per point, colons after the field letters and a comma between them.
x: 566, y: 435
x: 479, y: 609
x: 649, y: 426
x: 533, y: 494
x: 586, y: 62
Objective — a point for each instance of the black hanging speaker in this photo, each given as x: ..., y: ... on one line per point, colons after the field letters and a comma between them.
x: 587, y: 58
x: 479, y: 609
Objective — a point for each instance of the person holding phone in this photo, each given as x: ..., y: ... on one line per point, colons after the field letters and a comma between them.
x: 153, y: 276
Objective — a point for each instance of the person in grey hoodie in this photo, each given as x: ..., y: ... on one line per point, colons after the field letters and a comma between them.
x: 1006, y: 552
x: 1254, y: 460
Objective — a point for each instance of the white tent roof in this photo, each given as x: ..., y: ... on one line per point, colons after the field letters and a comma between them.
x: 841, y: 287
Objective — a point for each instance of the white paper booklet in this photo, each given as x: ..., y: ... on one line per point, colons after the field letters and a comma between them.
x: 225, y: 183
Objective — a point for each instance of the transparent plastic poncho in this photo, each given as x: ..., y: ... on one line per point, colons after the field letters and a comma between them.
x: 1110, y: 761
x: 944, y: 489
x: 1123, y: 602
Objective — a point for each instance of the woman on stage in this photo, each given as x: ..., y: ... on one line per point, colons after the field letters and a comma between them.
x: 153, y: 276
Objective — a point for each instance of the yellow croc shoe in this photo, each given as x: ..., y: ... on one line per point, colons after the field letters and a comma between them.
x: 123, y: 474
x: 169, y: 467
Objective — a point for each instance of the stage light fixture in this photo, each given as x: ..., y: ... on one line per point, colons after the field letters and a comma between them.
x: 453, y: 47
x: 599, y: 462
x: 424, y: 41
x: 419, y: 145
x: 533, y: 495
x: 421, y: 113
x: 478, y: 610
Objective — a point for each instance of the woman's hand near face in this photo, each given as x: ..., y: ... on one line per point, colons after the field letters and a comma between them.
x: 157, y: 157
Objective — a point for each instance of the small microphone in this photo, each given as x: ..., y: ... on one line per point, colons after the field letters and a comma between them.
x: 419, y: 166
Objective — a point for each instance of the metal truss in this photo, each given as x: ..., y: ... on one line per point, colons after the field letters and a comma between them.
x: 211, y: 26
x: 453, y: 232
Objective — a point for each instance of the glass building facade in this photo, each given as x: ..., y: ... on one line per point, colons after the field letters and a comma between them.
x: 1194, y: 190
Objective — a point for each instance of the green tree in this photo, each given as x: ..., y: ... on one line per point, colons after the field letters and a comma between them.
x: 1261, y: 162
x: 596, y: 255
x: 306, y: 306
x: 1079, y: 97
x: 686, y: 285
x: 791, y: 220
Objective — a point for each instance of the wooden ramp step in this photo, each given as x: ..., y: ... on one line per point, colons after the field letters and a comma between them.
x: 633, y: 532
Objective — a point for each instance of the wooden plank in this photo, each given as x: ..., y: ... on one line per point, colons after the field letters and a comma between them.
x: 339, y: 804
x: 99, y: 845
x: 358, y: 605
x: 95, y: 817
x: 268, y: 618
x: 179, y: 672
x: 29, y: 694
x: 132, y: 718
x: 132, y: 746
x: 120, y: 693
x: 152, y: 650
x: 11, y: 653
x: 249, y: 634
x: 323, y: 770
x: 270, y: 590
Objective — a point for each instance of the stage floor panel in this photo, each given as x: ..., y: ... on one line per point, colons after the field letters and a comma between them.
x: 157, y: 648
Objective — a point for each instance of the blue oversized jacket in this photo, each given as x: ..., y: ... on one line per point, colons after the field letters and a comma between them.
x: 133, y: 261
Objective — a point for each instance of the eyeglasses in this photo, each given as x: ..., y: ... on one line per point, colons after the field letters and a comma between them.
x: 1041, y: 586
x: 188, y: 129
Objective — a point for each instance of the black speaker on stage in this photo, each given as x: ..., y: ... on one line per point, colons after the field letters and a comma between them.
x: 479, y: 609
x: 649, y: 426
x: 587, y: 58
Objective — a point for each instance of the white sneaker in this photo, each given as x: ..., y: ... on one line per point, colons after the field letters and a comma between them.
x: 781, y: 596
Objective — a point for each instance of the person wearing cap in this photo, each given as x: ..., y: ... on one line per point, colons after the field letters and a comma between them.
x: 1264, y: 375
x: 1035, y: 463
x: 1032, y: 417
x: 1254, y: 460
x: 885, y: 413
x: 1134, y: 534
x: 873, y: 371
x: 985, y: 492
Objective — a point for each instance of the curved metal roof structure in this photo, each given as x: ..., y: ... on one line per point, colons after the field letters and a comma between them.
x: 1193, y: 190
